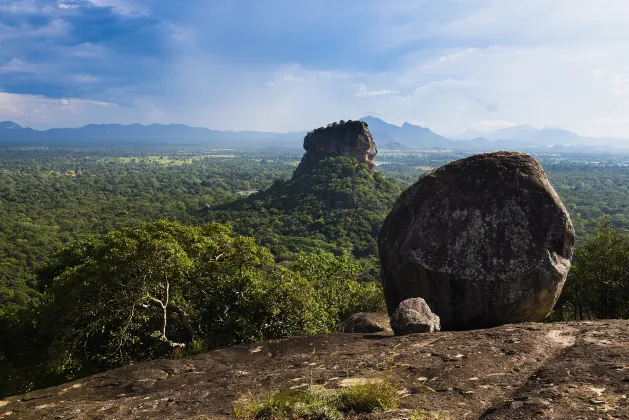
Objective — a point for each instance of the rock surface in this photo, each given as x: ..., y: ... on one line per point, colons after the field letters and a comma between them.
x: 414, y: 316
x: 521, y: 371
x: 483, y: 240
x: 350, y: 139
x: 366, y: 322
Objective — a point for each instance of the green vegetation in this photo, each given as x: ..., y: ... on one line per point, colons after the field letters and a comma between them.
x: 338, y: 207
x: 317, y: 402
x: 598, y: 282
x: 50, y: 196
x: 160, y: 289
x: 590, y: 192
x: 357, y: 396
x: 110, y: 257
x: 341, y: 126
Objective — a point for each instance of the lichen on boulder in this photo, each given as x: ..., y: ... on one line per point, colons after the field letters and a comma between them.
x: 484, y: 241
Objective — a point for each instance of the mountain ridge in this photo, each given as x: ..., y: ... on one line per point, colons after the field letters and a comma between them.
x: 389, y: 136
x: 12, y: 134
x: 525, y: 135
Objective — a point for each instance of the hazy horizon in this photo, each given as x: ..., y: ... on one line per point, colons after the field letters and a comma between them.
x: 449, y: 66
x: 480, y: 131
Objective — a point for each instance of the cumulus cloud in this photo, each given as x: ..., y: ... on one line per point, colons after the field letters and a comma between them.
x: 42, y: 112
x: 452, y: 64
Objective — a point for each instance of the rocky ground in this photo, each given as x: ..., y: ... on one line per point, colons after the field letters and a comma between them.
x: 523, y: 371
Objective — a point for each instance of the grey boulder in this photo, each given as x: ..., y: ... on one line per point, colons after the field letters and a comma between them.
x: 366, y: 322
x: 414, y: 316
x: 484, y: 240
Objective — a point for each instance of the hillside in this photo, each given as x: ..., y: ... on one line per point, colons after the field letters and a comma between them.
x: 524, y: 371
x: 332, y: 202
x: 340, y: 205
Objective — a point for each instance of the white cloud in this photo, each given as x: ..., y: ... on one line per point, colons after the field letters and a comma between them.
x: 486, y: 64
x: 25, y: 6
x: 41, y: 112
x: 364, y: 91
x: 489, y: 126
x: 127, y: 7
x: 500, y: 85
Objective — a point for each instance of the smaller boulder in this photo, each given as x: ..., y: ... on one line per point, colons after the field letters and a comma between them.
x: 414, y: 316
x: 366, y: 322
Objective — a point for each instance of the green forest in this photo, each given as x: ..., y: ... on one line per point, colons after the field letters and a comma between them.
x: 113, y: 256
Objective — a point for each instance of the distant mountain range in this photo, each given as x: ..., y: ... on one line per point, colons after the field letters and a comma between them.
x: 143, y: 135
x: 523, y: 136
x: 387, y: 136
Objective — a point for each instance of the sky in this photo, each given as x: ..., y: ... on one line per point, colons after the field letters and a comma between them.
x: 288, y: 65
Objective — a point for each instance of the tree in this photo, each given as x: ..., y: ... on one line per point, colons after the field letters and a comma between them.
x: 337, y: 289
x: 598, y: 282
x: 142, y: 293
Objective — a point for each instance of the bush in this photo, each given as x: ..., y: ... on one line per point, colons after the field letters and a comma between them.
x: 597, y: 286
x: 317, y: 402
x: 337, y: 290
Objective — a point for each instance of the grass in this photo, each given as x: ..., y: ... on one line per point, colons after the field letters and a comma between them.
x: 317, y: 402
x: 422, y: 413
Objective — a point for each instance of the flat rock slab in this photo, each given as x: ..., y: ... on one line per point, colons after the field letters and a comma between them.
x: 521, y: 371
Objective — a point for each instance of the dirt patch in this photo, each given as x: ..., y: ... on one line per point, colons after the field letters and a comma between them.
x: 518, y: 371
x: 564, y: 338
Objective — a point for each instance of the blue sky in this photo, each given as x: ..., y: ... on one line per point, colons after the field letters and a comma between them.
x: 282, y: 65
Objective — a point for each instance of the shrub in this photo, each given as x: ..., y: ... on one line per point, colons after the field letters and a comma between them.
x: 317, y: 402
x: 597, y: 286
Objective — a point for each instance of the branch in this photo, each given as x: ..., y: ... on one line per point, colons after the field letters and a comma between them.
x: 183, y: 316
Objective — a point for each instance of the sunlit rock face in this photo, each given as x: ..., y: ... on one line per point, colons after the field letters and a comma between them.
x: 349, y: 139
x: 483, y: 240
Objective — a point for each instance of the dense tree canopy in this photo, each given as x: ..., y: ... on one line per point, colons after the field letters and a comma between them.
x: 107, y: 257
x: 164, y: 288
x: 338, y: 206
x: 598, y: 282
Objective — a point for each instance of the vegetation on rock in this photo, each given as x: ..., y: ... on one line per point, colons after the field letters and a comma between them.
x: 338, y: 206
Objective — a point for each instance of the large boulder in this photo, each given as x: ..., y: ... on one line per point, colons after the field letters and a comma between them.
x: 349, y: 139
x: 484, y: 240
x: 366, y: 322
x: 414, y: 316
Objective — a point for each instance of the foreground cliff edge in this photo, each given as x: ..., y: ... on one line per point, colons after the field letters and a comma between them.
x: 523, y: 371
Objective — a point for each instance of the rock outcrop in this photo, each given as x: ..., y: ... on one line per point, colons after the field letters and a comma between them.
x: 366, y: 322
x: 524, y: 371
x: 349, y: 139
x: 414, y: 316
x: 483, y: 240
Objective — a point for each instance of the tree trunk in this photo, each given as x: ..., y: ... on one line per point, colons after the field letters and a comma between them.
x: 165, y: 311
